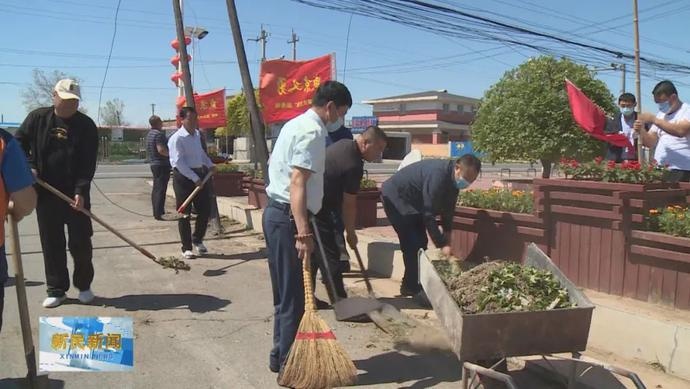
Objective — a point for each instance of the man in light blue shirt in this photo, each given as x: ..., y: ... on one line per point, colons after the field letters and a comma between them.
x: 190, y: 164
x: 295, y: 191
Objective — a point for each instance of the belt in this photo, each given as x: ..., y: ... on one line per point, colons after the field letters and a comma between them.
x: 285, y: 208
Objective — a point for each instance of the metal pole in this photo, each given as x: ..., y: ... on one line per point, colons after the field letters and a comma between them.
x: 256, y: 122
x: 153, y: 109
x: 623, y: 80
x: 637, y: 76
x: 184, y: 58
x: 294, y: 41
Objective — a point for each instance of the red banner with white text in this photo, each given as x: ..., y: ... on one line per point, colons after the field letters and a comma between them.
x: 286, y: 87
x: 210, y: 108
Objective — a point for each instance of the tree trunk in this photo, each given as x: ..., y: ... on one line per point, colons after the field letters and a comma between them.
x: 546, y: 172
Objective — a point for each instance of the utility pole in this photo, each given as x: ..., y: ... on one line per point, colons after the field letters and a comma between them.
x: 153, y: 109
x: 637, y: 77
x: 621, y: 67
x: 263, y: 38
x: 184, y: 58
x: 256, y: 122
x: 293, y: 42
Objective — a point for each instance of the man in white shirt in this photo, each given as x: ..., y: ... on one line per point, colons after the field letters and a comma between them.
x: 670, y: 131
x: 190, y: 164
x: 295, y: 192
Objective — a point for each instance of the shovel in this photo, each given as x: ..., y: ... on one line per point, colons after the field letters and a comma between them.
x: 180, y: 211
x: 35, y: 380
x: 353, y: 308
x: 170, y: 262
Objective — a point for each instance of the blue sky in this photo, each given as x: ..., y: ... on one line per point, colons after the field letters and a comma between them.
x: 74, y: 36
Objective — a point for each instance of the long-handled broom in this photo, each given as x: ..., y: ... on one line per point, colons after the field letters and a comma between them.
x: 316, y: 360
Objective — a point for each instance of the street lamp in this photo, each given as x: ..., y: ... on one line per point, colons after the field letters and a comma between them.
x: 195, y: 33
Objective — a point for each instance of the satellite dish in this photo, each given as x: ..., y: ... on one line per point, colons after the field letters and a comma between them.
x: 412, y: 157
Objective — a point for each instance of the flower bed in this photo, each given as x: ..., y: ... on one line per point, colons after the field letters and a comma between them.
x: 629, y: 172
x: 228, y: 180
x: 516, y: 201
x: 496, y: 223
x: 367, y: 203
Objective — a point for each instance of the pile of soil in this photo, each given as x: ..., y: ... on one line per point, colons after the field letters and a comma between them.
x: 501, y: 286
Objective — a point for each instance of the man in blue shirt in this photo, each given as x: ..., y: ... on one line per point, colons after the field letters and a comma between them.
x: 157, y: 148
x: 17, y: 182
x: 295, y: 192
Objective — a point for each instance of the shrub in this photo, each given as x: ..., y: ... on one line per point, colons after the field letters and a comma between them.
x: 367, y: 183
x: 672, y: 220
x: 227, y: 168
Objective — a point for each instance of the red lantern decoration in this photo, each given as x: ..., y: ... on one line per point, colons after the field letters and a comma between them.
x: 175, y: 60
x: 175, y: 77
x: 176, y: 44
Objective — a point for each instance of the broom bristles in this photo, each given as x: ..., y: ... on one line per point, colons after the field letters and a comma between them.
x: 316, y: 359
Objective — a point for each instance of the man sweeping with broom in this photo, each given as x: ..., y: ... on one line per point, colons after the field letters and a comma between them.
x: 295, y: 192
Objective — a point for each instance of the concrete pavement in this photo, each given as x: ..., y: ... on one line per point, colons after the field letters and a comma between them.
x: 206, y: 328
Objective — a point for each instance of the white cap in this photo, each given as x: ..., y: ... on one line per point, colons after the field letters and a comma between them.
x: 68, y: 89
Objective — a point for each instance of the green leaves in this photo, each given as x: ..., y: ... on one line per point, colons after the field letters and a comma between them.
x: 526, y: 114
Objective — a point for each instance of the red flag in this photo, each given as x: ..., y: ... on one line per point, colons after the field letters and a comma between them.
x: 210, y: 108
x: 591, y: 117
x: 287, y: 87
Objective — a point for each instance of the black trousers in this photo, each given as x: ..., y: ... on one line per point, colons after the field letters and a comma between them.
x: 412, y: 235
x: 286, y: 279
x: 2, y: 301
x: 183, y: 187
x: 328, y: 231
x: 53, y: 214
x: 161, y: 176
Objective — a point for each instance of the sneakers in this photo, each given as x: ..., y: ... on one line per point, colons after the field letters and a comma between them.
x: 188, y: 254
x: 86, y: 296
x: 52, y: 302
x: 200, y: 249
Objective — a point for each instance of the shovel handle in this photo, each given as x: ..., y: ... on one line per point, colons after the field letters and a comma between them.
x: 194, y: 193
x: 362, y: 270
x: 22, y: 303
x: 88, y: 213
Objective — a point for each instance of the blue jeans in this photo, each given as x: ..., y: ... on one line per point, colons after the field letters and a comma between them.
x: 286, y: 279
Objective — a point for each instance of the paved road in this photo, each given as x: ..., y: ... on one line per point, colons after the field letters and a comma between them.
x: 206, y: 328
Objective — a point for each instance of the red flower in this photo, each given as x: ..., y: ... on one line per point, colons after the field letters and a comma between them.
x: 574, y: 164
x: 611, y: 165
x: 598, y: 160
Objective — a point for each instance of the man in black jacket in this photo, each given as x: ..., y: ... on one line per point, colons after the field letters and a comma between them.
x: 61, y: 144
x: 623, y: 124
x: 413, y: 198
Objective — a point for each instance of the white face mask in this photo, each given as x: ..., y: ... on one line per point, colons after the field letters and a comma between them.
x: 333, y: 127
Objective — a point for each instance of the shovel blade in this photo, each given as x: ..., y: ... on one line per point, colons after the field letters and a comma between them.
x: 355, y: 307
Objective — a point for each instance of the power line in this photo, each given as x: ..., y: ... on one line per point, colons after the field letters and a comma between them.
x: 107, y: 64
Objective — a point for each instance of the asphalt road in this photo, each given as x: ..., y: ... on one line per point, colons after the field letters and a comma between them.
x: 207, y: 328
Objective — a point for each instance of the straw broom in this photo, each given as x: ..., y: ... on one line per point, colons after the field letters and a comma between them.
x: 316, y: 360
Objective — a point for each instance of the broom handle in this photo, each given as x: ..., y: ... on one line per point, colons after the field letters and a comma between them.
x: 309, y: 304
x: 194, y: 193
x: 86, y: 212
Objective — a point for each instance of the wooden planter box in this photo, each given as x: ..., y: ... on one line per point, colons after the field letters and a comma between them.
x: 662, y: 269
x: 590, y: 224
x: 228, y: 184
x: 257, y: 193
x: 367, y: 207
x: 479, y: 233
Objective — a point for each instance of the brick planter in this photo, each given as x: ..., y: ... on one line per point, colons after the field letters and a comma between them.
x: 479, y: 233
x: 663, y: 268
x: 256, y: 192
x: 228, y: 184
x: 367, y: 207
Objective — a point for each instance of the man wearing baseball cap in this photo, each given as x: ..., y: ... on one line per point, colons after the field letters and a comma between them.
x: 61, y: 145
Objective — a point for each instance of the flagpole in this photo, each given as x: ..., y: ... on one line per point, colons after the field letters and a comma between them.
x: 638, y: 89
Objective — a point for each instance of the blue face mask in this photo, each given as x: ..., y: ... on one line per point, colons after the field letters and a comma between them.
x: 664, y: 107
x: 627, y: 111
x: 461, y: 183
